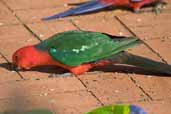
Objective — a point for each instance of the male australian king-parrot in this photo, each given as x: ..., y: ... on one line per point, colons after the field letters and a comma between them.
x: 78, y: 51
x: 94, y: 5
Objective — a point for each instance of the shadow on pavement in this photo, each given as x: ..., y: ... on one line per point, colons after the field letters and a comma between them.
x: 110, y: 68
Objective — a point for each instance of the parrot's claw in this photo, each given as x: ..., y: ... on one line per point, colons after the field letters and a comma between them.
x: 61, y: 75
x: 157, y: 8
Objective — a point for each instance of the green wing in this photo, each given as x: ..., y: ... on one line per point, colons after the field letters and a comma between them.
x: 73, y: 48
x: 111, y: 109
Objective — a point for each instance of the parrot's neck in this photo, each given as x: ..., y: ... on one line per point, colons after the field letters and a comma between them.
x: 43, y: 58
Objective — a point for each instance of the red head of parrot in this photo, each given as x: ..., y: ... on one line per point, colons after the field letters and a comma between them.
x: 28, y: 57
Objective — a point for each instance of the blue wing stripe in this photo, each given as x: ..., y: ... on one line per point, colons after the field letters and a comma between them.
x: 84, y: 8
x: 136, y: 110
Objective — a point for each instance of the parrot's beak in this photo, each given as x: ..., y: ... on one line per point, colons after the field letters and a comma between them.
x: 15, y: 67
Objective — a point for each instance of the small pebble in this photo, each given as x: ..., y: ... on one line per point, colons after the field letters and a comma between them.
x: 65, y: 5
x: 52, y: 89
x: 121, y: 33
x: 1, y: 24
x: 139, y: 20
x: 157, y: 51
x: 116, y: 91
x: 45, y: 94
x: 28, y: 40
x: 169, y: 37
x: 164, y: 7
x: 41, y: 35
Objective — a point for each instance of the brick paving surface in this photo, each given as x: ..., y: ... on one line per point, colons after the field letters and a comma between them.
x: 20, y: 25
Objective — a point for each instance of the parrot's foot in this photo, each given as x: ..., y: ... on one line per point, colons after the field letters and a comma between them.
x: 158, y: 7
x: 60, y: 75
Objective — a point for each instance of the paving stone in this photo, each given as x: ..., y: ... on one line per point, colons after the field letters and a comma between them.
x: 151, y: 83
x: 22, y: 104
x: 73, y: 103
x: 156, y: 32
x: 110, y: 26
x: 47, y: 29
x: 7, y: 17
x: 145, y: 19
x: 112, y: 88
x: 61, y: 84
x: 41, y: 87
x: 14, y: 37
x: 35, y: 15
x: 148, y: 26
x: 34, y: 75
x: 158, y: 87
x: 23, y: 88
x: 162, y: 46
x: 25, y: 4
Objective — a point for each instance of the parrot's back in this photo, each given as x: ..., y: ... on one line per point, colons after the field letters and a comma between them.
x: 76, y: 47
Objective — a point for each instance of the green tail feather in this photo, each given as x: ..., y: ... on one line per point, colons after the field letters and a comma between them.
x: 130, y: 42
x: 145, y: 63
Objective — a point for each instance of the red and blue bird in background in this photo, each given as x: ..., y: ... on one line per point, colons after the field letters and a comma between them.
x: 94, y: 5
